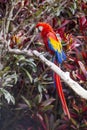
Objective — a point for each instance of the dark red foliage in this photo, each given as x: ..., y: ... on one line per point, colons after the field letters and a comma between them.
x: 3, y: 1
x: 33, y: 112
x: 83, y: 24
x: 83, y: 5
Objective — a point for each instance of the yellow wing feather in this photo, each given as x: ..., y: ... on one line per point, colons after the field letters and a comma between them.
x: 56, y: 45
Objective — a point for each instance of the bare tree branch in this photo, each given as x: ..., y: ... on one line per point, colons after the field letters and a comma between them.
x: 64, y: 75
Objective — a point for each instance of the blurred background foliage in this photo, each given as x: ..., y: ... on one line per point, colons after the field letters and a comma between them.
x: 28, y: 99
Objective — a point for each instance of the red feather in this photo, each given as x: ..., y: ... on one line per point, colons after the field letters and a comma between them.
x: 61, y: 94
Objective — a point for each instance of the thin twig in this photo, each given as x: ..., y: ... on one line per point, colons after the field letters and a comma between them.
x: 9, y: 18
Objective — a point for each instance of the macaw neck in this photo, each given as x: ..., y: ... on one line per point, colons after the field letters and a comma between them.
x: 44, y: 36
x: 46, y: 31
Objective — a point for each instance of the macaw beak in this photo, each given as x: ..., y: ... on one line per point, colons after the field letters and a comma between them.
x: 37, y: 30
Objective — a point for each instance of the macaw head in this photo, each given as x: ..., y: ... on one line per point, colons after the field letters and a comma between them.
x: 44, y: 28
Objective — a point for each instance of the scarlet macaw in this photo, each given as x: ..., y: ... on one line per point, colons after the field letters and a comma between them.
x: 54, y: 46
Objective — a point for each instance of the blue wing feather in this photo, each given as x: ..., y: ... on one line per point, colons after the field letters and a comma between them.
x: 60, y: 57
x: 50, y: 45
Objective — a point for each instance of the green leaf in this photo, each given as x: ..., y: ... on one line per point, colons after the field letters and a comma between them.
x: 26, y: 101
x: 7, y: 95
x: 9, y: 79
x: 46, y: 108
x: 6, y: 69
x: 28, y: 74
x: 38, y: 98
x: 41, y: 88
x: 47, y: 102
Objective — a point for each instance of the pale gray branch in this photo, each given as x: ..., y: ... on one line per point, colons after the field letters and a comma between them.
x: 63, y: 75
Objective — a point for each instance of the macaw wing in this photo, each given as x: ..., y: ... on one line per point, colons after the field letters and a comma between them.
x: 55, y: 45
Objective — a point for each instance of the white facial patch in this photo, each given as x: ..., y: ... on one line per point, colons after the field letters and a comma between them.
x: 40, y: 28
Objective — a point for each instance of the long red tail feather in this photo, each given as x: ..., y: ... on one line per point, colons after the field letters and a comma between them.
x: 61, y: 94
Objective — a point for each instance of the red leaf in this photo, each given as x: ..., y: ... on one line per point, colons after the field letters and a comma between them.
x: 84, y: 55
x: 84, y: 6
x: 83, y: 23
x: 82, y: 20
x: 83, y: 69
x: 81, y: 77
x: 84, y: 108
x: 62, y: 127
x: 64, y: 23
